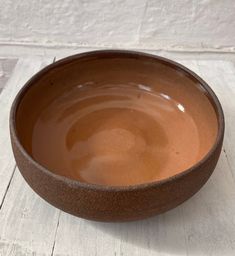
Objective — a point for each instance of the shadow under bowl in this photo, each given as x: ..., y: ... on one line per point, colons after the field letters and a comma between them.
x: 116, y: 135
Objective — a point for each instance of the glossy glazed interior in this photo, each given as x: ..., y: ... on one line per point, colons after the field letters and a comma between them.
x: 116, y: 120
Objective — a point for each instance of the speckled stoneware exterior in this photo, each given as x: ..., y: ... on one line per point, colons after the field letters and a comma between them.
x: 107, y: 203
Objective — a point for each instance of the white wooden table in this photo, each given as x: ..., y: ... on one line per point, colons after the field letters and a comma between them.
x: 204, y: 225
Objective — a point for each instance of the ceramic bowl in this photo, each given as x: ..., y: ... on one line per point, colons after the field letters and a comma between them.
x: 152, y: 148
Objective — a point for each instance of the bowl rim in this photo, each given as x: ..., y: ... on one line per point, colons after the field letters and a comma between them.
x: 208, y: 92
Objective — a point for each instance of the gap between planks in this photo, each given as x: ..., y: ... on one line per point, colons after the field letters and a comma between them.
x: 4, y: 196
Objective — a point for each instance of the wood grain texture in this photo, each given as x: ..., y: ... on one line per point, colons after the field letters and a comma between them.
x: 204, y: 225
x: 28, y: 224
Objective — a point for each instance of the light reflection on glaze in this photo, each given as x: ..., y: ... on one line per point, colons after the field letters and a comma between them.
x: 180, y: 107
x: 116, y: 135
x: 165, y: 96
x: 144, y: 87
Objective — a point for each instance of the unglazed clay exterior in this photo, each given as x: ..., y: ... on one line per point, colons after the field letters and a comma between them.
x: 116, y: 135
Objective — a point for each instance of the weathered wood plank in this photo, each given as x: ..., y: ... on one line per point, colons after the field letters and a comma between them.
x: 28, y: 224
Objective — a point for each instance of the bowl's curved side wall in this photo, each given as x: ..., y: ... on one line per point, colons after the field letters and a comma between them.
x: 115, y: 204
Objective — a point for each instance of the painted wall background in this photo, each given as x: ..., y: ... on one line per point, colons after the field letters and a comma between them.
x: 144, y: 24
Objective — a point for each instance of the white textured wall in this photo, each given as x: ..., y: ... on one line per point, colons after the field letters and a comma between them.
x: 151, y: 24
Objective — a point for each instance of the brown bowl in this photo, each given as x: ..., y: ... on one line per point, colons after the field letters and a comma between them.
x: 116, y: 135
